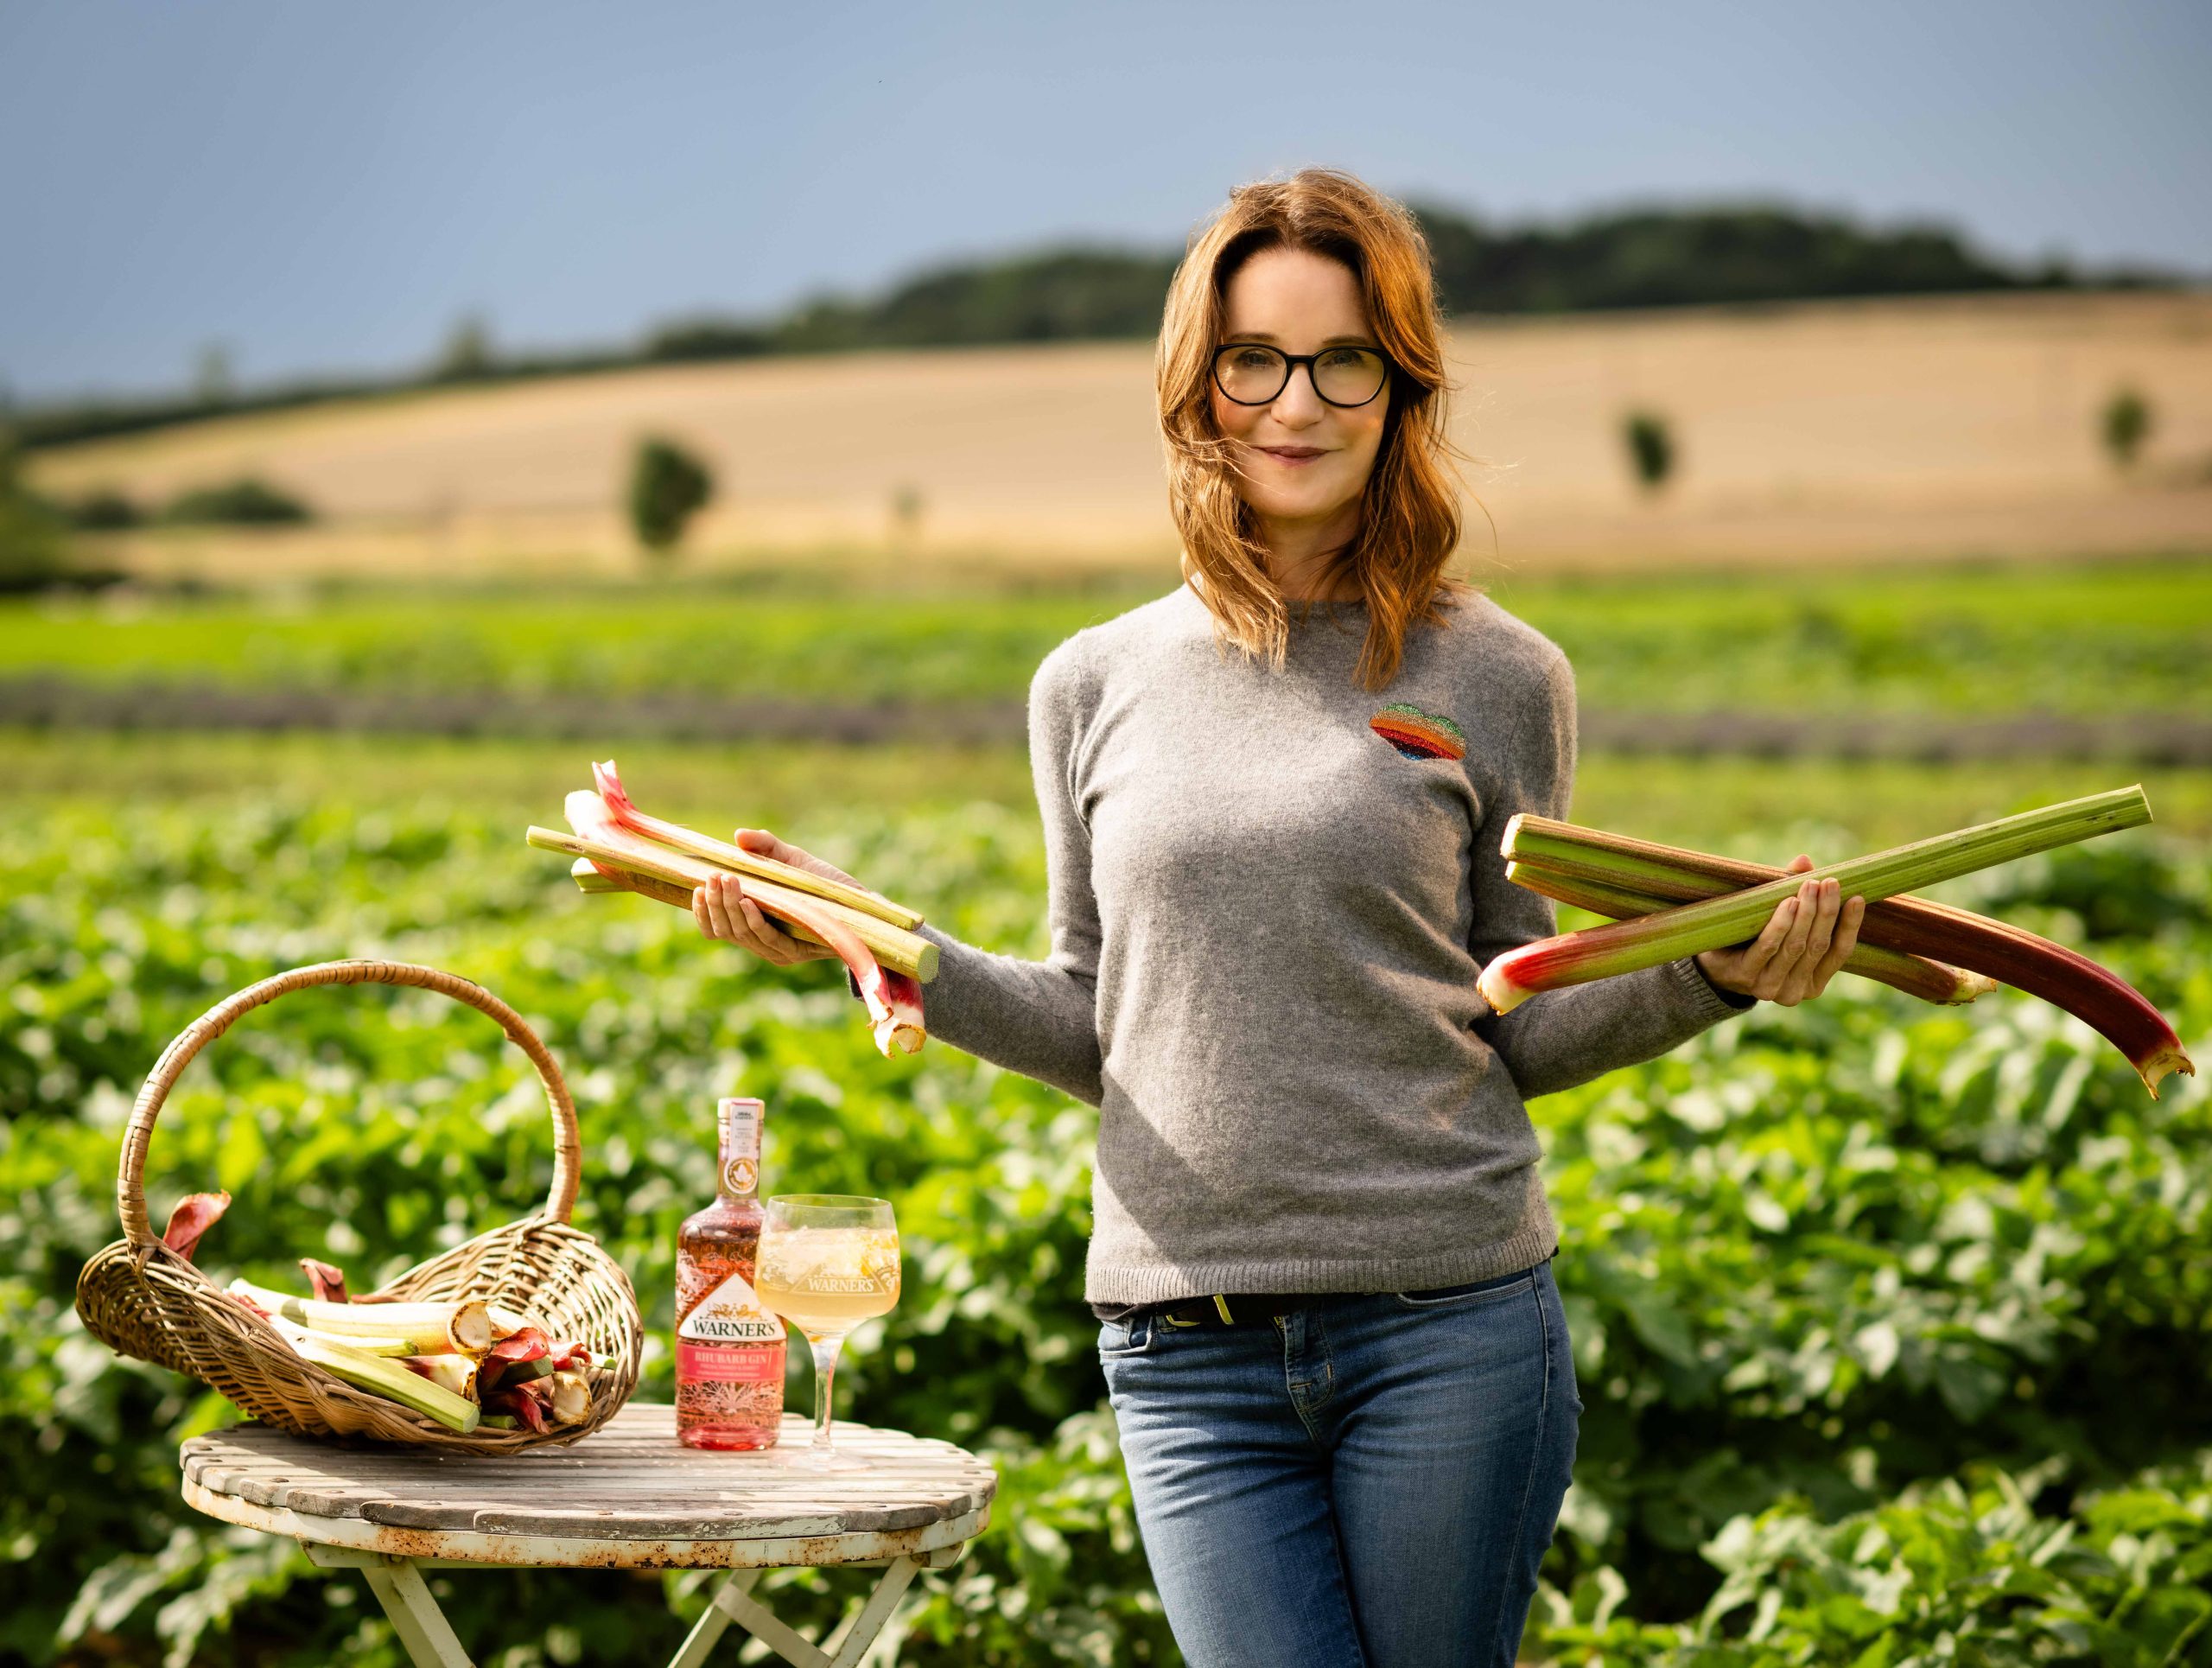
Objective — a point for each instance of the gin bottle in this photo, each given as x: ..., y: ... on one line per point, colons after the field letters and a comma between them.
x: 729, y: 1348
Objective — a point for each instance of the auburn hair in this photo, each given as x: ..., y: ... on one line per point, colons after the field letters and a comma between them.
x: 1409, y: 523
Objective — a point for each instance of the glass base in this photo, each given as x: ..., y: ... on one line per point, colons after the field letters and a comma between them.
x: 807, y: 1459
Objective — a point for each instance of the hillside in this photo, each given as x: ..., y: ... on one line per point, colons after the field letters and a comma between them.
x: 1855, y: 429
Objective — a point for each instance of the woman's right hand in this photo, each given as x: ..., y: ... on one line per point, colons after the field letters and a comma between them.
x: 723, y: 911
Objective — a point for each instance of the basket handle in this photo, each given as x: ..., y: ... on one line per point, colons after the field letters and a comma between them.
x: 130, y: 1181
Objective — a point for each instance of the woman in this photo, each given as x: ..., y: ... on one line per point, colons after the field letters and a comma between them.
x: 1321, y: 1247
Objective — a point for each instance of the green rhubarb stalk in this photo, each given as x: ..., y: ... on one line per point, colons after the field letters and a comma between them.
x: 893, y: 996
x: 892, y: 948
x: 1917, y: 976
x: 427, y: 1329
x: 1631, y: 945
x: 2012, y: 955
x: 392, y: 1348
x: 750, y: 864
x: 590, y: 877
x: 382, y: 1377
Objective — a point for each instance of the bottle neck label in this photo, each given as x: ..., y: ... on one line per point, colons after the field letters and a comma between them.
x: 739, y: 1145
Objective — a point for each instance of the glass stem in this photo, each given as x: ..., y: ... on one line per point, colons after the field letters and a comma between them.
x: 825, y: 1373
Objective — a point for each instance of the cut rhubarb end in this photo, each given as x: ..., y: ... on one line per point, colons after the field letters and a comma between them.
x: 2156, y: 1068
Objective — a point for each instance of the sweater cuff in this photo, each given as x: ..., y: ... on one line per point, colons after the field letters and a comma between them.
x: 1711, y: 1002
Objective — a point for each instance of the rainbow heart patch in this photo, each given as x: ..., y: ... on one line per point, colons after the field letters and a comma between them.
x: 1418, y: 734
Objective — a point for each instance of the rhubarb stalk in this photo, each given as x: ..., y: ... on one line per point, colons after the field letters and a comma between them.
x: 1917, y: 976
x: 383, y: 1377
x: 429, y: 1328
x: 1647, y: 941
x: 1548, y: 854
x: 195, y: 1214
x: 750, y: 864
x: 611, y: 847
x: 325, y: 1280
x: 590, y: 877
x: 893, y: 997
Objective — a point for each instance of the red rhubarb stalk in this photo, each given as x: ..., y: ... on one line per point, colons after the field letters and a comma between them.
x: 1565, y: 853
x: 1628, y: 947
x: 615, y: 850
x: 527, y: 1344
x: 195, y: 1214
x: 1917, y: 976
x: 894, y: 1009
x: 749, y: 863
x: 326, y: 1280
x: 519, y: 1401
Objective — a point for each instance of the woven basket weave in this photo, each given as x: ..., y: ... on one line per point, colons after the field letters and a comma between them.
x: 142, y: 1299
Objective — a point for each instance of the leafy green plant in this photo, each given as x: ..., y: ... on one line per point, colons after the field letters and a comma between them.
x: 1813, y: 1262
x: 1962, y: 1569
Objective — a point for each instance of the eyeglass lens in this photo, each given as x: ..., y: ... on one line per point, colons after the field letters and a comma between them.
x: 1253, y: 375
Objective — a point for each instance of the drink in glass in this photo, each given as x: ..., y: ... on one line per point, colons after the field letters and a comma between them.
x: 828, y: 1262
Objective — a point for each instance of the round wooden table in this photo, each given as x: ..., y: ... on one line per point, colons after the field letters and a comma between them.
x: 628, y: 1496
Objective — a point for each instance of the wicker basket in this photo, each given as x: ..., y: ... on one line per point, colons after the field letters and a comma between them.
x: 144, y: 1300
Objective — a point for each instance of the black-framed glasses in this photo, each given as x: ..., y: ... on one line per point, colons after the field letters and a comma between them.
x: 1253, y: 373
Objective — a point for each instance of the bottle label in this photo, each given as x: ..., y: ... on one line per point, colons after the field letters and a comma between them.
x: 705, y: 1363
x: 731, y: 1313
x: 740, y: 1143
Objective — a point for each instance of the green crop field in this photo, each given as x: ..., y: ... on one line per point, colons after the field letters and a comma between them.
x: 2102, y: 639
x: 1892, y: 1323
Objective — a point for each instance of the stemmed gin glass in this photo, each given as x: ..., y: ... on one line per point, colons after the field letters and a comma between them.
x: 827, y: 1263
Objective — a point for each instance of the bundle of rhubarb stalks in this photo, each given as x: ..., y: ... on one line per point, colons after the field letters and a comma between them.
x: 462, y: 1362
x: 617, y: 848
x: 1667, y: 902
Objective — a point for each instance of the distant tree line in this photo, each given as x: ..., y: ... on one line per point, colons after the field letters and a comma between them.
x: 1639, y: 257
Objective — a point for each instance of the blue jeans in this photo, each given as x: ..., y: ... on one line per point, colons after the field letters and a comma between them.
x: 1371, y: 1480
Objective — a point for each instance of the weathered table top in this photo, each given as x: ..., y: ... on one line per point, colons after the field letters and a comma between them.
x: 627, y: 1495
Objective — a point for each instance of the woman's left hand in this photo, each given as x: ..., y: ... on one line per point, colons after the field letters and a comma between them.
x: 1798, y: 952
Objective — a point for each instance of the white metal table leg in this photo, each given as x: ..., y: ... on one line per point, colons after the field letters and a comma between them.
x: 858, y: 1631
x: 400, y: 1589
x: 710, y: 1626
x: 430, y: 1642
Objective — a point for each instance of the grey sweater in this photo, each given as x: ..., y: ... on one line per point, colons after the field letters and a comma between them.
x: 1269, y: 896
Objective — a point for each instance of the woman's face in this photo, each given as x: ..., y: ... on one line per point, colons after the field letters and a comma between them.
x: 1301, y: 459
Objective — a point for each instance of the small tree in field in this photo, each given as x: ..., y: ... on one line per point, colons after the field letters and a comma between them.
x: 2126, y: 425
x: 1650, y: 448
x: 668, y: 487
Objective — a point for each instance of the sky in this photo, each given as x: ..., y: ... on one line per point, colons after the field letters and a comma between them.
x: 330, y: 189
